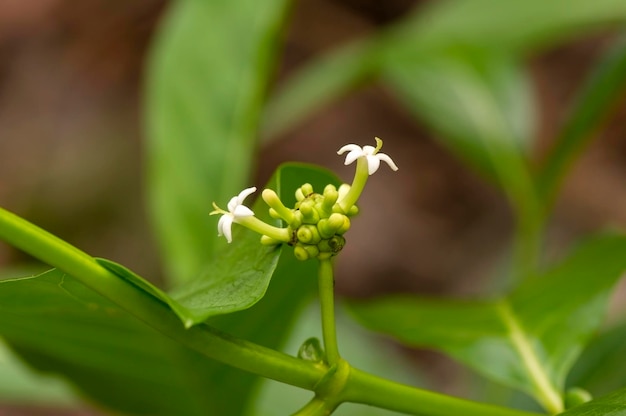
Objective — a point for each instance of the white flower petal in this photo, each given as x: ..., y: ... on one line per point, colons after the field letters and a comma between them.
x: 387, y: 159
x: 244, y: 194
x: 232, y: 204
x: 224, y: 227
x: 372, y: 164
x: 368, y: 150
x: 242, y: 211
x: 349, y: 147
x: 352, y: 156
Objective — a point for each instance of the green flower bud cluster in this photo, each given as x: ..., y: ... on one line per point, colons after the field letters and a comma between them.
x: 316, y: 224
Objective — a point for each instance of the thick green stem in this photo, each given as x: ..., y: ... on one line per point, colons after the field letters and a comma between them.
x: 326, y: 284
x: 202, y: 338
x: 375, y: 391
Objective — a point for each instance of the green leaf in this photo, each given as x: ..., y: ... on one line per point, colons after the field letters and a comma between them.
x: 58, y: 324
x: 528, y: 340
x: 20, y: 384
x: 600, y: 368
x: 613, y: 404
x: 600, y: 94
x: 207, y: 76
x: 479, y: 102
x: 514, y: 28
x: 238, y: 275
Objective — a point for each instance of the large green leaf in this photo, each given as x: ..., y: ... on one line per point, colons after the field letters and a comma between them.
x: 60, y: 325
x: 207, y: 75
x: 601, y: 92
x: 528, y: 340
x: 613, y: 404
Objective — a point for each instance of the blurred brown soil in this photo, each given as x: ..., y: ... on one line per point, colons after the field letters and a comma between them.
x: 70, y: 148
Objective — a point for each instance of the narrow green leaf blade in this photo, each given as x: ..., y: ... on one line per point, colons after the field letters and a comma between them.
x: 601, y: 92
x: 479, y: 102
x: 206, y: 80
x: 600, y: 368
x: 530, y: 339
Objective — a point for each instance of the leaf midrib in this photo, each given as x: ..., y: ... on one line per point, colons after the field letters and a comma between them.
x: 545, y: 391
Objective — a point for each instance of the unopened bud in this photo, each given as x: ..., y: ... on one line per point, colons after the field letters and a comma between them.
x: 309, y: 213
x: 300, y: 253
x: 330, y: 197
x: 311, y: 350
x: 269, y: 241
x: 271, y: 198
x: 307, y: 189
x: 308, y: 234
x: 345, y: 226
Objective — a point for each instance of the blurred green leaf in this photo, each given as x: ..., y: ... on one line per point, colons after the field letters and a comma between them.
x: 20, y: 384
x: 613, y: 404
x: 528, y: 340
x: 207, y: 75
x: 515, y: 28
x: 332, y: 76
x: 600, y: 368
x: 239, y: 274
x: 481, y: 103
x: 601, y: 92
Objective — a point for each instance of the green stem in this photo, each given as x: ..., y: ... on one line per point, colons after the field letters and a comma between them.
x: 358, y: 183
x: 375, y: 391
x: 260, y: 227
x: 316, y: 407
x: 326, y: 284
x: 359, y: 387
x: 202, y: 338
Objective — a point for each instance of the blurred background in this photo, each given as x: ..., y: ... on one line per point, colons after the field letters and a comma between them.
x: 72, y: 78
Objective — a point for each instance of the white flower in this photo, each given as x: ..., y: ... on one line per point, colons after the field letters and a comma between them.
x: 236, y: 210
x: 370, y: 153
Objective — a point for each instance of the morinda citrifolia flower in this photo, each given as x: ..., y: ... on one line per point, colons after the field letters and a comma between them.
x: 236, y: 211
x: 369, y: 153
x: 318, y: 221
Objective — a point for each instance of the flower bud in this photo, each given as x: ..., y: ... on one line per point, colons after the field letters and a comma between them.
x: 308, y: 234
x: 271, y: 198
x: 309, y: 213
x: 330, y: 197
x: 297, y: 219
x: 332, y: 245
x: 274, y: 214
x: 307, y: 189
x: 300, y: 253
x: 299, y: 195
x: 324, y: 230
x: 312, y: 251
x: 345, y: 226
x: 311, y: 350
x: 269, y: 241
